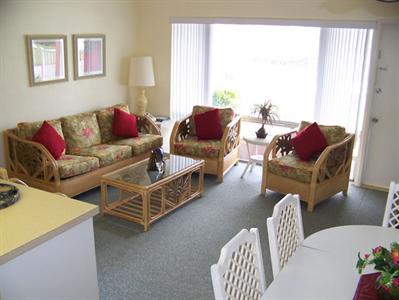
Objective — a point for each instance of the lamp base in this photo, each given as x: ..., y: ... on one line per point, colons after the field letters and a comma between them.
x: 141, y: 103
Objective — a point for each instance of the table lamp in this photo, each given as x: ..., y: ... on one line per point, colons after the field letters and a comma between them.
x: 141, y: 75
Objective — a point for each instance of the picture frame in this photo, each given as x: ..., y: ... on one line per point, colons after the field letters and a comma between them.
x: 47, y: 58
x: 89, y: 55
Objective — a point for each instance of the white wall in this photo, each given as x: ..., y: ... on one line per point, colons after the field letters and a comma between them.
x: 155, y: 31
x: 19, y: 102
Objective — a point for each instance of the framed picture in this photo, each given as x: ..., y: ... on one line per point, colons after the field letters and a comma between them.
x: 47, y: 58
x: 88, y: 55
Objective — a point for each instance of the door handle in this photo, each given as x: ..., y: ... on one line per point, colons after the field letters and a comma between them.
x: 374, y: 120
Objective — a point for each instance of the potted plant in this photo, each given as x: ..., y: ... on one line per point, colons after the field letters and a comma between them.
x: 387, y: 262
x: 267, y: 111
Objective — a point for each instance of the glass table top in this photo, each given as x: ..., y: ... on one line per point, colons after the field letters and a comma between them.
x: 138, y: 174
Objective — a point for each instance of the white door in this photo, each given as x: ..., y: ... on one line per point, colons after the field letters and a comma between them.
x: 381, y: 163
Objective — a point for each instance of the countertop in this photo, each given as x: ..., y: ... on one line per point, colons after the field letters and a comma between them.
x: 37, y: 217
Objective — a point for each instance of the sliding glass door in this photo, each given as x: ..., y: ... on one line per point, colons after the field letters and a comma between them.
x: 313, y: 73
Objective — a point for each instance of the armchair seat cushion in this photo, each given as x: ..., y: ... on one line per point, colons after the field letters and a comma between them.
x: 293, y: 167
x: 107, y: 154
x: 198, y: 148
x: 142, y: 143
x: 72, y: 165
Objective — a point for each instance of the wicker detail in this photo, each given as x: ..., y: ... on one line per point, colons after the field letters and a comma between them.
x: 287, y: 233
x: 338, y: 162
x: 283, y: 146
x: 29, y: 159
x: 184, y: 130
x: 233, y: 138
x: 241, y: 280
x: 146, y: 125
x: 178, y: 190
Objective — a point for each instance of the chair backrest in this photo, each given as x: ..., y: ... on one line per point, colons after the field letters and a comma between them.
x: 285, y: 231
x: 391, y: 216
x: 239, y: 273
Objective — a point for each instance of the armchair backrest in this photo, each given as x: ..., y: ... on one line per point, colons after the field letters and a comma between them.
x: 226, y: 116
x: 333, y: 133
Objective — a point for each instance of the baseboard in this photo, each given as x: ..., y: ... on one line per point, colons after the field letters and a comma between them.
x: 375, y: 187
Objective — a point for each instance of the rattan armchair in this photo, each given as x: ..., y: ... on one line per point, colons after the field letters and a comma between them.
x: 319, y: 179
x: 219, y: 156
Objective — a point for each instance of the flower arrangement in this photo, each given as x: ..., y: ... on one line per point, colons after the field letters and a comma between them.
x: 387, y: 262
x: 267, y: 111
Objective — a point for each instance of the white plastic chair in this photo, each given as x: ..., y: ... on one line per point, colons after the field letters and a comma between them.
x: 391, y: 215
x: 239, y: 273
x: 285, y: 231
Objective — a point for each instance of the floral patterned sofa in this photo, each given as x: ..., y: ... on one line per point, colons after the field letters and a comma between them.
x: 91, y: 151
x: 316, y: 179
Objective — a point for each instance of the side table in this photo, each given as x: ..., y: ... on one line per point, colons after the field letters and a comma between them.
x: 255, y: 158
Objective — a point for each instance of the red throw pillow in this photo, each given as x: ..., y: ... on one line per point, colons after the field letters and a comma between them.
x: 309, y: 142
x: 124, y: 124
x: 49, y: 138
x: 208, y: 125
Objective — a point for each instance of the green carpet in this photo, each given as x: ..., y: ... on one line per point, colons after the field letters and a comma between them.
x: 172, y: 260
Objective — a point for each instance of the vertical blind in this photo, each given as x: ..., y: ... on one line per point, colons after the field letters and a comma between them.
x: 189, y: 67
x: 341, y: 73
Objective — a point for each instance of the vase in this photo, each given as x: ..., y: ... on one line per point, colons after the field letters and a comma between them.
x: 261, y: 132
x: 385, y: 293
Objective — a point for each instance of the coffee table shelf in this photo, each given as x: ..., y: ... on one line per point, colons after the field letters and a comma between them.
x: 144, y: 197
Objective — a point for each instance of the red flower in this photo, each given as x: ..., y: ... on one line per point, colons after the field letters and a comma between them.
x: 395, y: 282
x: 395, y: 257
x: 87, y: 132
x: 377, y: 250
x: 366, y: 256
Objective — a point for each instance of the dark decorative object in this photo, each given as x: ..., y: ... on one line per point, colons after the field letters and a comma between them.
x: 156, y: 162
x: 9, y: 194
x: 267, y: 111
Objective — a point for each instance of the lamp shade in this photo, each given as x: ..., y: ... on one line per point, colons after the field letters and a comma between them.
x: 141, y: 72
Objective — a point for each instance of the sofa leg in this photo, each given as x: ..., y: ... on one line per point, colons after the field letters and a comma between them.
x: 345, y: 192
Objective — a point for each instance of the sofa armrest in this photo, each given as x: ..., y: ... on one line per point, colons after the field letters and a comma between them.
x: 29, y: 160
x: 180, y: 131
x: 146, y: 125
x: 334, y: 160
x: 231, y: 136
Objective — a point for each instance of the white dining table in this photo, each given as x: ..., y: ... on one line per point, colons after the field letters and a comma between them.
x: 324, y: 266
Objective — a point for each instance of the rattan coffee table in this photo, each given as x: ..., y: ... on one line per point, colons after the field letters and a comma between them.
x: 142, y: 196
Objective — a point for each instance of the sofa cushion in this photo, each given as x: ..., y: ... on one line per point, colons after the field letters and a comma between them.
x: 27, y: 130
x: 80, y: 131
x: 105, y: 118
x: 333, y: 134
x: 124, y: 125
x: 293, y: 167
x: 207, y: 125
x: 142, y: 143
x: 107, y: 154
x: 198, y: 148
x: 72, y: 165
x: 309, y: 141
x: 49, y: 138
x: 226, y: 116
